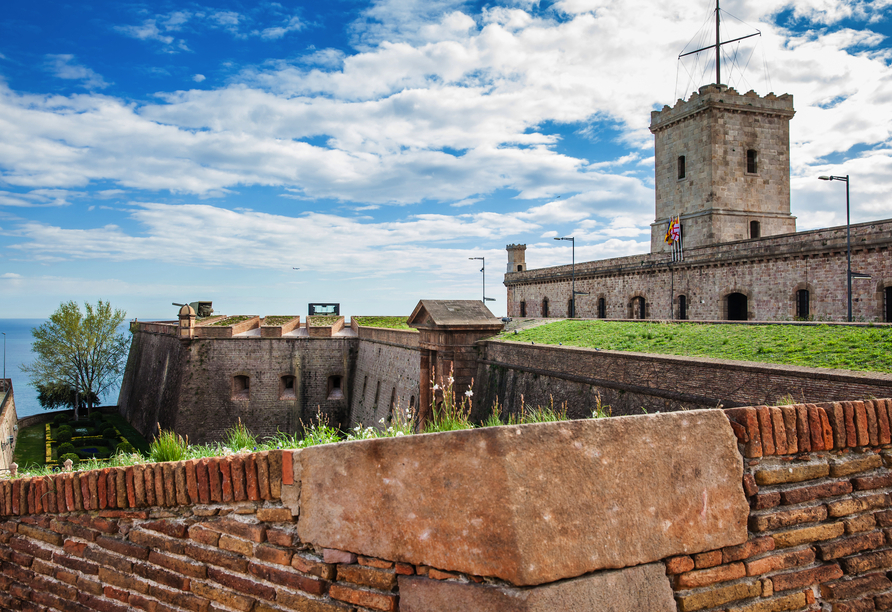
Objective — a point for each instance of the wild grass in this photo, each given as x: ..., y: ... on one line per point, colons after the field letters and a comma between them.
x: 168, y: 446
x: 387, y: 322
x: 238, y: 437
x: 821, y: 346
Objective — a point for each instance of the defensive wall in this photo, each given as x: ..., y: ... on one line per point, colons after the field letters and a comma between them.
x: 767, y: 271
x: 9, y: 429
x: 629, y: 382
x: 756, y: 509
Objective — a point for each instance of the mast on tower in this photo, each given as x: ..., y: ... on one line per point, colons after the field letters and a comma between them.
x: 718, y: 45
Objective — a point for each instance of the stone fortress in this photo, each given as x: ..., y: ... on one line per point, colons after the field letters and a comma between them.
x: 722, y: 164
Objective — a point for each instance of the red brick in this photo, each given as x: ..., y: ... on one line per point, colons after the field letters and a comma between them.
x: 242, y: 585
x: 225, y: 465
x: 374, y: 562
x: 217, y: 557
x: 288, y: 578
x: 214, y: 482
x: 247, y: 531
x: 223, y: 596
x: 836, y: 414
x: 803, y: 429
x: 201, y: 481
x: 405, y: 569
x: 861, y: 424
x: 884, y: 518
x: 361, y: 597
x: 179, y: 477
x: 851, y: 429
x: 868, y: 561
x: 385, y: 580
x: 237, y: 471
x: 847, y: 546
x: 113, y: 593
x: 885, y: 436
x: 739, y: 431
x: 36, y: 533
x: 787, y: 518
x: 859, y: 605
x: 131, y: 491
x: 815, y: 428
x: 280, y: 537
x: 70, y: 529
x: 102, y: 605
x: 168, y: 528
x: 123, y: 548
x: 148, y: 477
x: 872, y: 428
x: 754, y: 547
x: 76, y: 564
x: 804, y: 494
x: 807, y: 577
x: 775, y: 562
x: 192, y: 481
x: 251, y: 489
x: 125, y: 514
x: 750, y: 487
x: 162, y: 576
x: 866, y: 483
x: 121, y: 564
x: 139, y: 486
x: 271, y: 554
x: 111, y: 487
x: 262, y: 461
x: 179, y: 599
x: 175, y: 564
x: 74, y: 548
x: 708, y: 559
x: 780, y: 432
x: 765, y: 430
x: 202, y: 534
x: 826, y: 430
x: 846, y: 589
x: 160, y: 484
x: 170, y: 493
x: 154, y: 540
x: 332, y: 555
x: 308, y: 565
x: 288, y: 468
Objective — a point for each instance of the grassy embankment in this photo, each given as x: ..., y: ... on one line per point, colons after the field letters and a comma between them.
x: 387, y: 322
x: 821, y: 346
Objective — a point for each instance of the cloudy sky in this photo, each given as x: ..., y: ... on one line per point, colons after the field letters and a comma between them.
x: 175, y: 151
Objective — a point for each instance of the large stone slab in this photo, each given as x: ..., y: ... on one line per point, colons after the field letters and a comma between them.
x: 531, y: 503
x: 644, y: 588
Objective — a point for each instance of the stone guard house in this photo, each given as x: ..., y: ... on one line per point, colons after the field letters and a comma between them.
x: 722, y: 166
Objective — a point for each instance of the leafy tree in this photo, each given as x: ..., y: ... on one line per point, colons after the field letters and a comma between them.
x: 54, y: 395
x: 83, y: 351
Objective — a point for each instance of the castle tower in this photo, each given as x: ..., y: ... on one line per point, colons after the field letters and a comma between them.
x: 722, y: 162
x: 516, y: 257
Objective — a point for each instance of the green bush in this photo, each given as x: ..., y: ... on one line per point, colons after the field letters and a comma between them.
x: 125, y: 447
x: 168, y: 446
x: 60, y: 419
x: 63, y: 435
x: 73, y: 456
x: 66, y: 448
x: 107, y: 431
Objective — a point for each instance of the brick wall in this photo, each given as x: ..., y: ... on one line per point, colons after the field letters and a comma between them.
x: 387, y: 375
x: 8, y: 421
x: 628, y: 382
x: 794, y: 501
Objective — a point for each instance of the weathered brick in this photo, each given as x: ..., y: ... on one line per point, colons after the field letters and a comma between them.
x: 122, y: 547
x: 361, y: 597
x: 787, y: 518
x: 179, y: 599
x: 856, y: 465
x: 852, y: 505
x: 179, y: 476
x: 405, y: 569
x: 246, y: 531
x: 763, y: 501
x: 95, y: 603
x: 241, y: 584
x: 272, y: 554
x: 275, y: 515
x: 100, y: 556
x: 192, y: 481
x: 124, y: 581
x: 707, y: 559
x: 294, y: 601
x: 225, y: 465
x: 217, y: 557
x: 773, y: 563
x: 332, y: 555
x: 223, y: 596
x: 883, y: 423
x: 867, y: 562
x: 169, y: 528
x: 374, y: 562
x: 75, y: 548
x: 865, y: 522
x: 288, y: 578
x: 848, y: 546
x: 766, y: 431
x: 30, y: 547
x: 386, y: 580
x: 792, y: 473
x: 817, y: 533
x: 76, y: 564
x: 864, y: 604
x: 180, y: 566
x: 846, y: 589
x: 88, y: 585
x: 780, y: 432
x: 154, y: 540
x: 309, y: 565
x: 866, y: 483
x: 161, y: 576
x: 861, y: 425
x: 200, y: 533
x: 806, y: 577
x: 202, y: 483
x: 236, y: 545
x: 70, y: 529
x: 214, y: 479
x: 884, y: 518
x: 280, y: 537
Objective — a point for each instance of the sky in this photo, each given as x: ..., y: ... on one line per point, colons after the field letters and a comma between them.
x: 266, y: 155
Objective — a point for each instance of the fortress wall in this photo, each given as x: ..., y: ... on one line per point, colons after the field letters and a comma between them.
x: 768, y: 271
x: 8, y: 423
x: 387, y: 367
x: 628, y: 382
x: 741, y: 510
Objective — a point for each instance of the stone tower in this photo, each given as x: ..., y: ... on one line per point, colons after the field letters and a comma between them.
x: 722, y: 162
x: 516, y: 257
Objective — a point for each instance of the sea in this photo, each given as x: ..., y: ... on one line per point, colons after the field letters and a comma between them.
x: 18, y: 352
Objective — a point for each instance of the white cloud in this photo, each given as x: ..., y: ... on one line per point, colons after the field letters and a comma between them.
x: 294, y: 24
x: 198, y: 78
x: 64, y: 67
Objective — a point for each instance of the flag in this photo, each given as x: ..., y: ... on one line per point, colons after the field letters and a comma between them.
x: 673, y: 238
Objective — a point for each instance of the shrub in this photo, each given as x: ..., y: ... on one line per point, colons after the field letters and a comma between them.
x: 67, y: 447
x: 168, y: 446
x: 73, y: 456
x: 125, y: 447
x: 60, y: 419
x: 63, y: 435
x: 108, y: 431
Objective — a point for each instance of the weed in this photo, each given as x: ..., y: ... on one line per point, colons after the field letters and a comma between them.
x: 601, y: 410
x: 167, y: 446
x: 238, y: 437
x: 447, y: 414
x: 786, y: 400
x: 319, y: 432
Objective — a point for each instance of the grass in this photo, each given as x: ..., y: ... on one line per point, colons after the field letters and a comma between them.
x: 276, y: 321
x: 386, y: 322
x: 322, y: 320
x: 822, y: 346
x: 231, y: 320
x: 30, y: 446
x: 168, y: 446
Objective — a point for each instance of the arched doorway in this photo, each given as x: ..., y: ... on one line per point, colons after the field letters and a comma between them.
x: 638, y: 308
x: 737, y: 307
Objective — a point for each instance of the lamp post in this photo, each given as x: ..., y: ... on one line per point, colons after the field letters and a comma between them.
x: 572, y: 240
x: 845, y: 179
x: 483, y: 269
x: 4, y: 355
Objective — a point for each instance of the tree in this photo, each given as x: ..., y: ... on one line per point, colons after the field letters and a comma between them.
x: 84, y: 352
x: 54, y: 395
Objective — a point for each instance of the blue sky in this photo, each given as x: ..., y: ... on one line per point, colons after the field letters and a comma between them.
x: 176, y: 151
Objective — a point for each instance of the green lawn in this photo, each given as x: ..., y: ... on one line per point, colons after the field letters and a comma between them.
x: 30, y: 446
x: 388, y: 322
x: 822, y: 346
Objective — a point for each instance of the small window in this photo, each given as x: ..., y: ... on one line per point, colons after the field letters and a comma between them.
x: 545, y: 308
x: 887, y: 294
x: 412, y: 403
x: 523, y: 309
x: 334, y: 388
x: 519, y: 268
x: 681, y: 170
x: 802, y: 305
x: 751, y: 166
x: 241, y: 387
x: 682, y: 307
x: 755, y: 229
x: 365, y: 385
x: 286, y: 388
x: 602, y: 308
x: 377, y: 392
x: 392, y: 400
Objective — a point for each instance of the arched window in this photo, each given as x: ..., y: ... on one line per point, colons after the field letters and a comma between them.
x: 519, y: 267
x: 755, y: 229
x: 751, y: 166
x: 683, y: 307
x: 638, y: 308
x: 802, y: 305
x: 286, y: 387
x: 545, y: 308
x: 602, y: 308
x: 334, y: 387
x: 523, y: 309
x: 241, y: 387
x: 681, y: 169
x: 737, y: 307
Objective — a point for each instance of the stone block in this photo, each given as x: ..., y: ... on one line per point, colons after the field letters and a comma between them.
x: 472, y: 501
x: 644, y: 587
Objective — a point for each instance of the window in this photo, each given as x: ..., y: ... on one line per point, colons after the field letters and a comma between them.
x: 751, y: 166
x: 365, y: 385
x: 545, y: 307
x: 755, y: 229
x: 680, y: 167
x: 241, y: 387
x: 286, y: 387
x: 887, y: 294
x: 377, y: 392
x: 737, y: 307
x: 523, y: 309
x: 519, y: 268
x: 334, y: 388
x: 392, y: 400
x: 602, y: 308
x: 683, y: 307
x: 638, y: 308
x: 802, y: 306
x: 412, y: 404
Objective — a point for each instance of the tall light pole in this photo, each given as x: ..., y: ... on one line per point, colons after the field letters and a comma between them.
x: 572, y: 240
x: 845, y: 179
x: 483, y: 269
x: 4, y: 355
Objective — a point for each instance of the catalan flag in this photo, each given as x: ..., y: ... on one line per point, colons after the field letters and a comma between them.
x: 673, y: 238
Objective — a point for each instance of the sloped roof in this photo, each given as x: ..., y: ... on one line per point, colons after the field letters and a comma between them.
x: 453, y: 313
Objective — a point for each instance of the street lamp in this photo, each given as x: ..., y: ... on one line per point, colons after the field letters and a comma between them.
x: 572, y: 240
x: 4, y: 355
x: 483, y: 269
x: 845, y: 179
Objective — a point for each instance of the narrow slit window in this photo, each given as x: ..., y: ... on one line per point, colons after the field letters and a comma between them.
x: 682, y: 307
x: 681, y: 169
x: 755, y: 229
x: 523, y: 309
x: 602, y: 308
x: 802, y: 305
x: 751, y: 165
x: 545, y: 308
